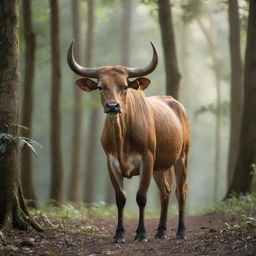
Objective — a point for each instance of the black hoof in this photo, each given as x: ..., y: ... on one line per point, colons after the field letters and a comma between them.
x: 141, y: 237
x: 119, y: 240
x: 160, y: 234
x: 181, y: 236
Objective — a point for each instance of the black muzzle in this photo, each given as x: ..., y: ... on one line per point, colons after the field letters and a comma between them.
x: 112, y: 107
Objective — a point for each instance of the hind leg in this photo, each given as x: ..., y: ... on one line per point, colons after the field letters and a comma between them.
x: 180, y: 168
x: 164, y: 182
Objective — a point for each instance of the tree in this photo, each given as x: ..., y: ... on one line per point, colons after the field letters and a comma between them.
x: 55, y: 126
x: 168, y: 40
x: 236, y: 90
x: 73, y: 193
x: 217, y: 74
x: 243, y: 174
x: 90, y: 169
x: 12, y: 205
x: 126, y: 32
x: 126, y: 19
x: 27, y: 104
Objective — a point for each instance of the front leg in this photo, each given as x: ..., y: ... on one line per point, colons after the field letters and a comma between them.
x: 146, y: 171
x: 117, y: 182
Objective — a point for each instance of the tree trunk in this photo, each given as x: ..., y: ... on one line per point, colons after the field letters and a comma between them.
x: 73, y: 193
x: 56, y: 155
x: 236, y: 89
x: 171, y: 64
x: 217, y: 73
x: 91, y: 156
x: 12, y: 205
x: 90, y: 170
x: 126, y: 32
x: 27, y: 104
x: 243, y: 175
x: 125, y: 61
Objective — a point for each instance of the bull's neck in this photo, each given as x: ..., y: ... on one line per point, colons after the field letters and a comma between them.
x: 119, y: 126
x: 116, y: 133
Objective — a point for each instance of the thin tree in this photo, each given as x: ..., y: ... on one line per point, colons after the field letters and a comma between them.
x: 12, y: 206
x: 217, y: 75
x: 27, y: 104
x: 243, y: 175
x: 168, y: 40
x: 126, y: 19
x: 90, y: 169
x: 73, y: 193
x: 56, y: 155
x: 236, y: 89
x: 126, y: 32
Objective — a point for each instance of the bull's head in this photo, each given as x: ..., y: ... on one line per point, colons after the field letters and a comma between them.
x: 112, y: 81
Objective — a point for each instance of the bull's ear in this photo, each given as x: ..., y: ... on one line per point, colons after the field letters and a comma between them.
x: 140, y: 82
x: 87, y: 84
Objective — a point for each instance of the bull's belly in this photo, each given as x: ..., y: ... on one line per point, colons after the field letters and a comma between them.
x: 167, y: 154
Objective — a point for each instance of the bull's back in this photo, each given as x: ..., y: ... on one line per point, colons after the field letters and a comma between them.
x: 171, y: 130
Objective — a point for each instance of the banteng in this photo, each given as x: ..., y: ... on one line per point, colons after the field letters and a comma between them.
x: 145, y: 136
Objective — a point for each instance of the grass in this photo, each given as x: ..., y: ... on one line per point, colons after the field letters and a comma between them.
x: 244, y: 205
x: 74, y: 211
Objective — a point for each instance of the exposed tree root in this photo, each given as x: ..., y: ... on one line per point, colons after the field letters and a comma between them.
x: 19, y: 215
x: 2, y: 239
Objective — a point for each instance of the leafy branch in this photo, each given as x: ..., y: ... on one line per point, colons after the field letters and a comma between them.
x: 7, y: 138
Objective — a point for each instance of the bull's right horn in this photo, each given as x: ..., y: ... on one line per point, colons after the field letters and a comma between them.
x: 136, y: 72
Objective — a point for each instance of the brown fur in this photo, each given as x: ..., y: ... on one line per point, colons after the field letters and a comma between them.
x: 148, y: 138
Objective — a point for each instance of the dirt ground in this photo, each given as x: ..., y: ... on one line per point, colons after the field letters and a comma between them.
x: 207, y: 235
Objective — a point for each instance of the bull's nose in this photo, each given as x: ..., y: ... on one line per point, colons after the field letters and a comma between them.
x: 112, y: 107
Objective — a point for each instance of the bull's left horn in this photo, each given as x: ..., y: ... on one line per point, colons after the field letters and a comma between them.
x: 135, y: 72
x: 82, y: 71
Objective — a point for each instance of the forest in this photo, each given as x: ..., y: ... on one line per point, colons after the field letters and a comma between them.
x: 77, y: 120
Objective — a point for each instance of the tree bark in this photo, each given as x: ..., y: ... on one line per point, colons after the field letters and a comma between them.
x: 27, y: 104
x: 91, y: 153
x: 217, y: 74
x: 126, y: 32
x: 90, y: 170
x: 56, y: 155
x: 243, y: 175
x: 73, y: 193
x: 168, y: 40
x: 12, y: 205
x: 126, y: 19
x: 236, y: 89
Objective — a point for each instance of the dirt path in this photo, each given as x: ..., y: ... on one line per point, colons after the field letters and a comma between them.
x: 207, y: 235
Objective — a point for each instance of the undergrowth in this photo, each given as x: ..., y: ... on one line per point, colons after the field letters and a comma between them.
x: 74, y: 211
x: 244, y: 205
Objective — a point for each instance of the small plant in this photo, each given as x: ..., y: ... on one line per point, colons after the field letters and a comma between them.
x: 12, y: 137
x: 243, y: 205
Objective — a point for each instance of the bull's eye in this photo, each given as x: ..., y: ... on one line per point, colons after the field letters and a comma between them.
x: 124, y: 88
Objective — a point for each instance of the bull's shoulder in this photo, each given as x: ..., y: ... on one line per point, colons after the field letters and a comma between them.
x: 168, y: 101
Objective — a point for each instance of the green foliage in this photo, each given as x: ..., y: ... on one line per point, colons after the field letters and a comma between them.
x: 148, y: 2
x: 241, y: 206
x: 75, y: 211
x: 191, y: 9
x: 7, y: 138
x: 223, y: 108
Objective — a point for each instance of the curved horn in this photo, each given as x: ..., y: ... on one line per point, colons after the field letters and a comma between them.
x: 82, y: 71
x: 135, y: 72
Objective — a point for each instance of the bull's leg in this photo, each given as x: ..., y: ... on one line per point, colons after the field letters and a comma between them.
x: 164, y: 182
x: 180, y: 168
x: 146, y: 172
x: 117, y: 182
